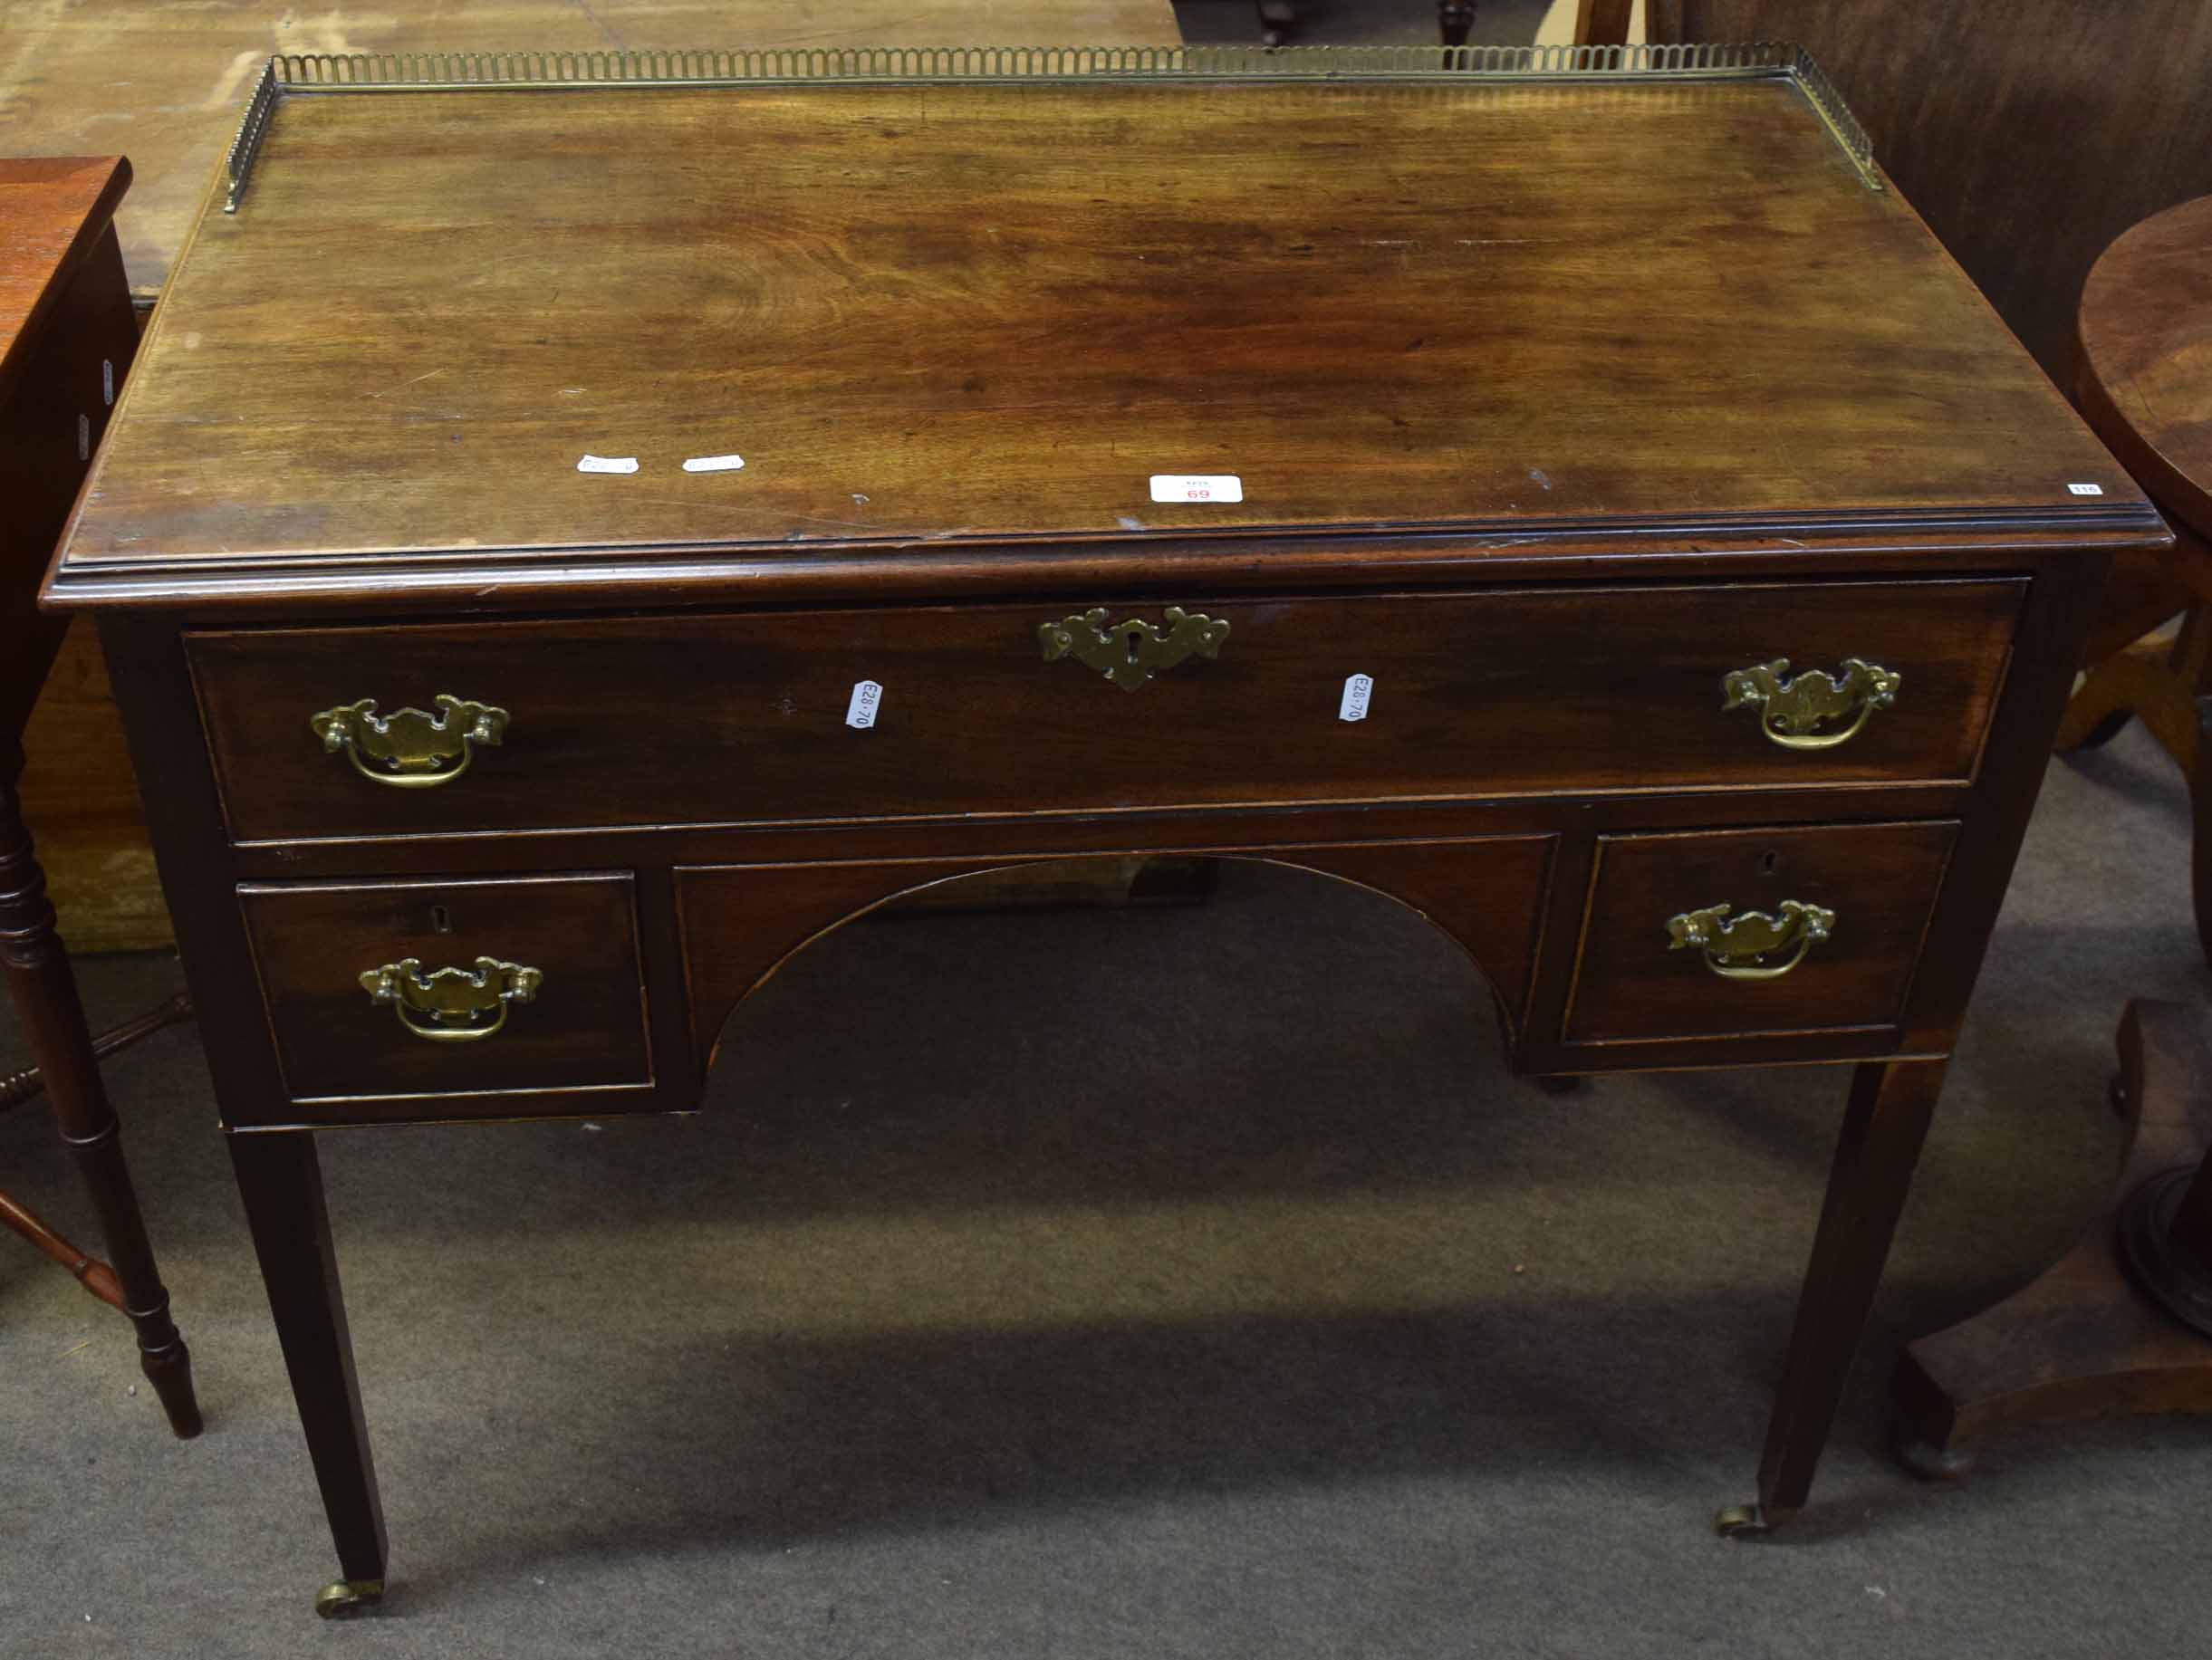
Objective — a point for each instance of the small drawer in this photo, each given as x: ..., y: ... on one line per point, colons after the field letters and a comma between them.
x: 1823, y: 929
x: 521, y: 984
x: 765, y: 717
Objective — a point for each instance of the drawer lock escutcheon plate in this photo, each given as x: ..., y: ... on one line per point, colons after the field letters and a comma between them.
x: 1130, y: 653
x: 452, y: 1006
x: 1738, y: 947
x: 1814, y: 710
x: 410, y: 748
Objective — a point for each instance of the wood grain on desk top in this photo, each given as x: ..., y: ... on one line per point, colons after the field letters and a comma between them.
x: 164, y: 80
x: 52, y: 210
x: 2147, y: 355
x: 951, y: 314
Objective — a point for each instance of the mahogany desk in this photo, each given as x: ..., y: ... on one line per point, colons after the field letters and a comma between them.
x: 1573, y: 495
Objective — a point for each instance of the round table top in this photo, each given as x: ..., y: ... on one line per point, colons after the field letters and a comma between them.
x: 2147, y: 357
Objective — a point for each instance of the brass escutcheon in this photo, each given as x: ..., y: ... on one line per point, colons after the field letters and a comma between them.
x: 1738, y: 947
x: 452, y: 1006
x: 411, y: 748
x: 1130, y: 653
x: 1804, y: 712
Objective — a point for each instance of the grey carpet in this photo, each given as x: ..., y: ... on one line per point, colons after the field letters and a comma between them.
x: 1162, y: 1282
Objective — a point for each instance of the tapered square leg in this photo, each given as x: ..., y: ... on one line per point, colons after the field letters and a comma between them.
x: 280, y: 1179
x: 44, y: 991
x: 1883, y: 1129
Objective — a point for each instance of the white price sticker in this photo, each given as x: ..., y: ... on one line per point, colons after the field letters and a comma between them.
x: 608, y: 464
x: 2085, y: 489
x: 867, y: 699
x: 1357, y: 690
x: 107, y: 380
x: 714, y: 463
x: 1198, y: 487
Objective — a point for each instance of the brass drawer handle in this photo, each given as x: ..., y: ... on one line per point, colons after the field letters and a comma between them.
x: 1130, y: 653
x: 412, y: 749
x: 1802, y: 713
x: 1738, y: 948
x: 452, y: 1006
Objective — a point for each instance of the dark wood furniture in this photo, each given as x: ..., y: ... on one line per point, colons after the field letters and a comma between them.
x: 2146, y: 386
x: 2086, y: 1340
x: 2029, y: 132
x: 1111, y: 483
x: 189, y: 63
x: 66, y: 337
x: 2123, y: 1323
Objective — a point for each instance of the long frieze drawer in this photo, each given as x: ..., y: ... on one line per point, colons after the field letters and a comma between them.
x: 836, y: 715
x: 454, y: 988
x: 1742, y: 932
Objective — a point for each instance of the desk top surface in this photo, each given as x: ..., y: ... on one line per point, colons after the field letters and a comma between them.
x: 952, y: 314
x: 162, y: 79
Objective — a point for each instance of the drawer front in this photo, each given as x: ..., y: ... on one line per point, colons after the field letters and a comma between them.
x: 1849, y: 906
x: 561, y: 1004
x: 749, y: 718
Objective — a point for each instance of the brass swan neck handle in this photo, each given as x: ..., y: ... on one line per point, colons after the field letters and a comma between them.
x: 452, y: 1006
x: 1736, y: 947
x: 1815, y: 709
x: 411, y: 749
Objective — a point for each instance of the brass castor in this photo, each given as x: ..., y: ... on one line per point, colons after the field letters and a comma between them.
x: 341, y: 1597
x: 1740, y: 1521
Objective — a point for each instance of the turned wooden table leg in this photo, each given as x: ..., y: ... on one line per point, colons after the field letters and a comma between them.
x: 1883, y: 1127
x: 280, y: 1179
x: 25, y: 1082
x: 45, y: 996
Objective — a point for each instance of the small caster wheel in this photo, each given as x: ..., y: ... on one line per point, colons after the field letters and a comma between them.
x: 1558, y: 1083
x: 1924, y: 1458
x: 342, y: 1597
x: 1740, y: 1521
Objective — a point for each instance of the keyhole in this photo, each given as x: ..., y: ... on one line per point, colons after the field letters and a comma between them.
x: 1132, y: 639
x: 1770, y: 862
x: 441, y: 919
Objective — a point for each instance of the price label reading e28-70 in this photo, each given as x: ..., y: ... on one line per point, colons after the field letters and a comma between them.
x: 867, y: 699
x: 1198, y: 487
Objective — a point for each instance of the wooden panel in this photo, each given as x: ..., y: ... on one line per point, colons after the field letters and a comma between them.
x: 76, y: 787
x: 1880, y: 880
x: 2029, y: 133
x: 741, y: 921
x: 1493, y: 693
x: 1153, y: 285
x: 170, y: 76
x: 585, y: 1028
x: 54, y: 409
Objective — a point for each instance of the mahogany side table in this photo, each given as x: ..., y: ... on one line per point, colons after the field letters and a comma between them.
x: 2146, y: 386
x: 2088, y: 1339
x: 67, y: 333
